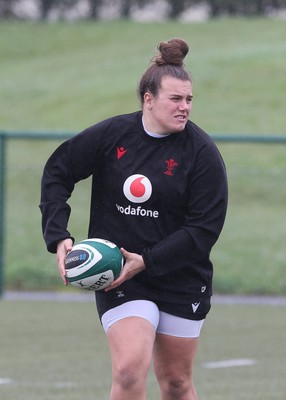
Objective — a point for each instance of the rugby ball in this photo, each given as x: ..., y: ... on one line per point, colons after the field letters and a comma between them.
x: 93, y: 264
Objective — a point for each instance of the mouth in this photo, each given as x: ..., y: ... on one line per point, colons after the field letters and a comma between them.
x: 181, y: 118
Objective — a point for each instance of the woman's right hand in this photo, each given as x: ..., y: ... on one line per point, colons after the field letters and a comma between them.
x: 64, y: 247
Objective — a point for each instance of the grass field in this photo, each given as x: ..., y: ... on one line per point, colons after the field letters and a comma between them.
x: 52, y: 350
x: 67, y: 76
x: 64, y: 77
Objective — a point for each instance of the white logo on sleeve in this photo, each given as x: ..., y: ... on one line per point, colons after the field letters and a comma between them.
x: 137, y: 188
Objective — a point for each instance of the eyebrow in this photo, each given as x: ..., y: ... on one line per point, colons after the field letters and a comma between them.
x: 190, y: 96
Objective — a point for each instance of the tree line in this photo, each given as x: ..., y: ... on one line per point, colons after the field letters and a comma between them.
x: 176, y: 7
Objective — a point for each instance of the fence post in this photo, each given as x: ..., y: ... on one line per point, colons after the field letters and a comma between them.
x: 2, y: 205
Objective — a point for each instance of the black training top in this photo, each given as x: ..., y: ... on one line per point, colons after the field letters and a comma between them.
x: 164, y: 198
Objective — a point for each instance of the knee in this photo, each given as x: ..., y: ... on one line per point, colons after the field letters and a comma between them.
x: 176, y: 386
x: 126, y: 377
x: 129, y: 377
x: 179, y: 387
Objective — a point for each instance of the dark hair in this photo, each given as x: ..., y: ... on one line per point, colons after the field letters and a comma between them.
x: 168, y: 61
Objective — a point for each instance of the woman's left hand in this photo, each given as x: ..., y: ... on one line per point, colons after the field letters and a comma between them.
x: 133, y: 265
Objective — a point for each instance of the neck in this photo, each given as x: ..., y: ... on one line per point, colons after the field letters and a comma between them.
x: 150, y: 128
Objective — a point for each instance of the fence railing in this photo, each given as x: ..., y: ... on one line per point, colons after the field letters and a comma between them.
x: 10, y: 135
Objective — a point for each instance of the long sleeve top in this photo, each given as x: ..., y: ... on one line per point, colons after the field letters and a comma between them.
x: 164, y: 198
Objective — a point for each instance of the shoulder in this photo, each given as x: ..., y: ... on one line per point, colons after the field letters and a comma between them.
x: 126, y: 121
x: 203, y: 145
x: 198, y: 135
x: 107, y: 130
x: 200, y: 140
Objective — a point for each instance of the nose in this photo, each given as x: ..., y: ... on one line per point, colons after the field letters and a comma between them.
x: 185, y: 105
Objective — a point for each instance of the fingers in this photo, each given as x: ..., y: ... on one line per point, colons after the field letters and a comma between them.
x: 64, y: 247
x: 133, y: 265
x: 124, y: 253
x: 115, y: 283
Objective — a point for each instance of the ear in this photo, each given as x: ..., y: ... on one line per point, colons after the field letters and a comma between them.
x: 148, y: 100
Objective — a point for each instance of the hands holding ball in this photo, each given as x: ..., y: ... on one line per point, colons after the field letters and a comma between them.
x: 96, y: 264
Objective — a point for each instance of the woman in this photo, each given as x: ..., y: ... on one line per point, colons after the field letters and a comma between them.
x: 159, y: 191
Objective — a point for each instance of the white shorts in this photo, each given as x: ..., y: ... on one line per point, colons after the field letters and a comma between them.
x: 163, y: 322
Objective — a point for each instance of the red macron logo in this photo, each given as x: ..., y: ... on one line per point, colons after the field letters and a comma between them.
x: 120, y: 152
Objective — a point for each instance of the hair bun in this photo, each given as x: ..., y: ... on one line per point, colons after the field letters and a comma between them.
x: 172, y: 52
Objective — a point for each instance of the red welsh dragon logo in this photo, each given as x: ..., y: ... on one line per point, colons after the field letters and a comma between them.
x: 171, y: 164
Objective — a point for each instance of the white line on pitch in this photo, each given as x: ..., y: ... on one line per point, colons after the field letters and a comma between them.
x: 8, y: 381
x: 239, y: 362
x: 5, y: 381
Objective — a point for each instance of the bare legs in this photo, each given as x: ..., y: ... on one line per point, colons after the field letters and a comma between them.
x: 173, y: 365
x: 133, y: 343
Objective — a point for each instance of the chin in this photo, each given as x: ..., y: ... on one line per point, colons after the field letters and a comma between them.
x: 179, y: 127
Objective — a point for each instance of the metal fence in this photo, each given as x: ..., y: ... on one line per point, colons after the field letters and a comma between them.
x: 49, y: 136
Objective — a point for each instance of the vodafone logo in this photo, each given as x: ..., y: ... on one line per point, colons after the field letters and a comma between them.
x: 137, y: 188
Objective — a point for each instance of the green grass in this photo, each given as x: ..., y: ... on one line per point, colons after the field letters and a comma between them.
x: 64, y: 77
x: 57, y: 350
x: 250, y: 256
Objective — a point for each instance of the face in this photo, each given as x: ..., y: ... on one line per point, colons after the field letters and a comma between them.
x: 168, y: 112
